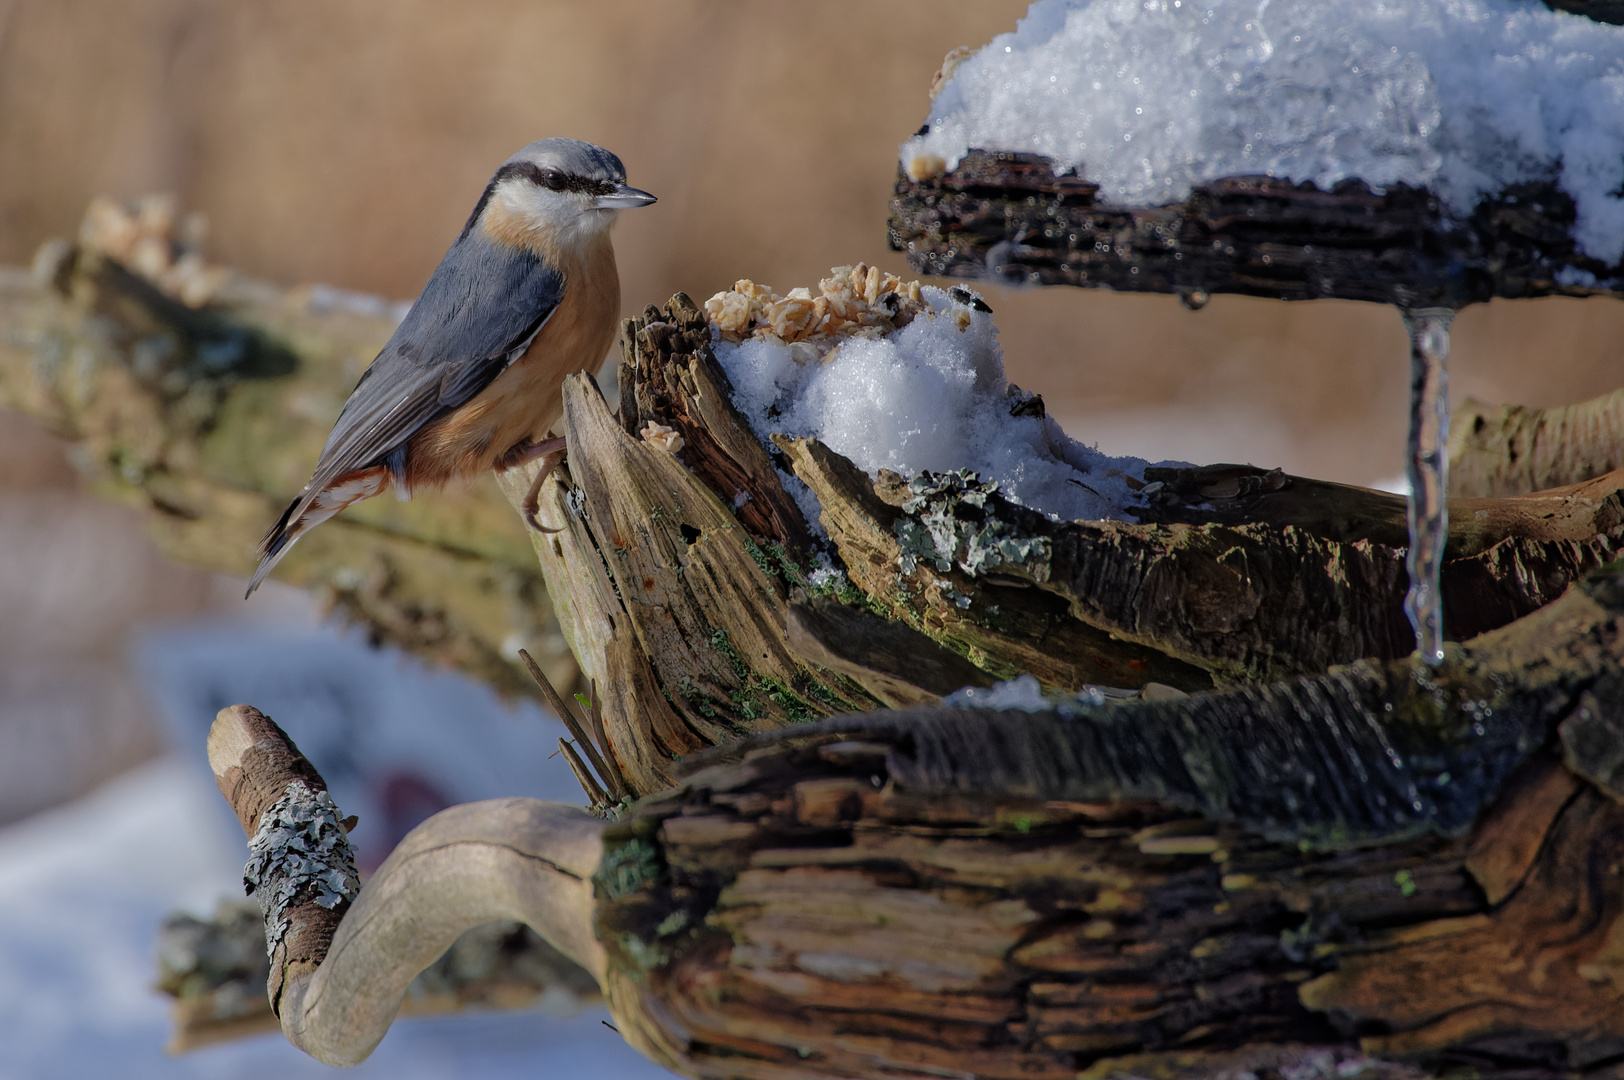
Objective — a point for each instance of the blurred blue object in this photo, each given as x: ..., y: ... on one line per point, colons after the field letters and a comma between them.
x: 395, y: 740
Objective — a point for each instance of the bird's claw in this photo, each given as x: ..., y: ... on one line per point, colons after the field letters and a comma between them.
x: 532, y: 499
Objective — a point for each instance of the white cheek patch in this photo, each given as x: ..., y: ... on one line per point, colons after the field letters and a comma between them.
x: 566, y: 217
x: 537, y: 207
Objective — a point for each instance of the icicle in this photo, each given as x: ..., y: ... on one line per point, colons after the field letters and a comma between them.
x: 1428, y: 473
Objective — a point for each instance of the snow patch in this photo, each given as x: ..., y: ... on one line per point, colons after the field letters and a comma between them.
x: 1151, y: 97
x: 930, y: 395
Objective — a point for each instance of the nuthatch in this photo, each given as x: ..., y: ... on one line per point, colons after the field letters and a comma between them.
x: 472, y: 378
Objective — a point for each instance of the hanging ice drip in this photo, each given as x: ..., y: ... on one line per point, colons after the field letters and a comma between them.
x: 1427, y: 469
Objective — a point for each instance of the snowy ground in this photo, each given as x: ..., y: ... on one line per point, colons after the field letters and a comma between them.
x: 84, y: 886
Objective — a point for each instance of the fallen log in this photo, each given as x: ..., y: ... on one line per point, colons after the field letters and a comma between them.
x: 206, y: 417
x: 1385, y: 870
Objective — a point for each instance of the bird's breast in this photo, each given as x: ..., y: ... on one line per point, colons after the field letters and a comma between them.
x: 525, y: 401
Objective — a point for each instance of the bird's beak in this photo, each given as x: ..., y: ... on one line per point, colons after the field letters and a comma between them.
x: 623, y: 198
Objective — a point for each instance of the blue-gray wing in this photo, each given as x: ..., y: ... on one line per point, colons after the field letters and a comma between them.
x: 477, y: 314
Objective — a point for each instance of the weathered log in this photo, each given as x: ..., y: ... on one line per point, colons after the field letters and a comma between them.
x: 1382, y: 870
x: 209, y: 419
x: 1513, y: 449
x: 1018, y: 218
x: 670, y: 606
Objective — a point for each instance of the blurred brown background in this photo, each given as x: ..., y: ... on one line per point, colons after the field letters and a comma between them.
x: 344, y: 141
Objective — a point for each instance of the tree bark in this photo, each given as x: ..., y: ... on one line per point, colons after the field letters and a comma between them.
x: 1017, y: 218
x: 682, y: 579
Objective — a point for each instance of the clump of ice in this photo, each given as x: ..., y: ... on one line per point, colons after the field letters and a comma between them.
x: 930, y: 395
x: 1150, y: 97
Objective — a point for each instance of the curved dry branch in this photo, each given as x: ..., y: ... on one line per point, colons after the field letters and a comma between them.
x: 505, y: 859
x: 338, y: 979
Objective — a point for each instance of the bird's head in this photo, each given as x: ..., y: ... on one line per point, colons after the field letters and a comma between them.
x: 564, y: 190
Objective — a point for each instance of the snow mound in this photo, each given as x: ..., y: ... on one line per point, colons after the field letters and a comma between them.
x: 1151, y: 97
x: 916, y: 386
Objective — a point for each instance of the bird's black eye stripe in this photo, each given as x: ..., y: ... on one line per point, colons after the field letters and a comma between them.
x: 555, y: 180
x: 551, y: 179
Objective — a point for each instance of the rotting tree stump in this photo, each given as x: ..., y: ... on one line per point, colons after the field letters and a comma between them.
x: 682, y: 582
x: 1385, y: 870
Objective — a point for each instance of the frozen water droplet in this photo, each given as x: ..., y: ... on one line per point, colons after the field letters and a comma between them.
x: 1428, y: 472
x: 1194, y: 299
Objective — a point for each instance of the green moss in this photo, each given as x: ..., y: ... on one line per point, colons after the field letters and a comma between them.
x: 759, y: 556
x: 643, y: 956
x: 721, y: 644
x: 671, y: 923
x: 798, y: 710
x: 628, y: 868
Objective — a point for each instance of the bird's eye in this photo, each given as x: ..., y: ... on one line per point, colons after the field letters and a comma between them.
x: 555, y: 181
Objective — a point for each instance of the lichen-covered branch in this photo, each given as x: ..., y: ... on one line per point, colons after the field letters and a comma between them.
x: 682, y: 570
x: 336, y: 986
x: 210, y: 418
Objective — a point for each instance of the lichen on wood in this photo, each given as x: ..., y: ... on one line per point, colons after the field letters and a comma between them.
x: 680, y: 571
x: 1163, y: 889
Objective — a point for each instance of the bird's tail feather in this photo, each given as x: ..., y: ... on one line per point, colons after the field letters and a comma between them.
x: 308, y: 511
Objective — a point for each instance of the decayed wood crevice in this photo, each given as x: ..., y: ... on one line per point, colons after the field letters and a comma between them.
x: 680, y: 573
x: 1514, y: 449
x: 668, y: 376
x: 209, y: 420
x: 668, y: 603
x: 1015, y: 217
